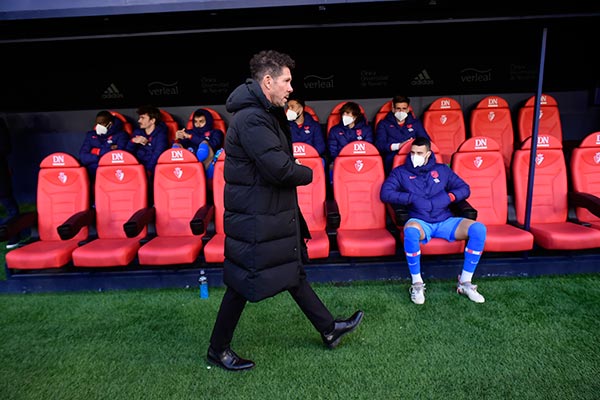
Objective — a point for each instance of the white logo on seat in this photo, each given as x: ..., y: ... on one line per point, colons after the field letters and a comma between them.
x: 539, y: 159
x: 120, y: 174
x: 177, y: 155
x: 58, y: 160
x: 117, y: 158
x: 299, y: 150
x: 358, y: 165
x: 478, y: 161
x: 62, y: 177
x: 178, y: 172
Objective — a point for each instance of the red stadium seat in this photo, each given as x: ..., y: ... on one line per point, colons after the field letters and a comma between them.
x: 549, y: 206
x: 357, y: 178
x: 312, y: 200
x: 180, y: 204
x: 491, y: 117
x: 127, y: 126
x: 120, y: 192
x: 214, y: 249
x: 585, y: 176
x: 549, y: 118
x: 444, y: 122
x: 62, y: 192
x: 479, y: 162
x: 311, y: 111
x: 172, y: 126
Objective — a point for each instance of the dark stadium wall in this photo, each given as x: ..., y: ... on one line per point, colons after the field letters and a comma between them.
x: 53, y: 87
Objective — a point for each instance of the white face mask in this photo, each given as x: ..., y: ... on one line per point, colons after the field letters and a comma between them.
x: 347, y: 120
x: 101, y: 129
x: 400, y: 115
x: 417, y: 160
x: 291, y: 115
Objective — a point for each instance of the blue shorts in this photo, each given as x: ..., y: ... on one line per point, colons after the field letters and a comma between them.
x: 445, y: 229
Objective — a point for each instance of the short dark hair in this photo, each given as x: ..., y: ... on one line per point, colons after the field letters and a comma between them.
x: 106, y: 114
x: 422, y: 141
x: 153, y: 112
x: 400, y: 99
x: 269, y: 62
x: 352, y: 107
x: 297, y: 98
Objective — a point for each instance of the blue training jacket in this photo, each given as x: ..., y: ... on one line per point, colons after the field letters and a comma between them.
x: 309, y: 132
x: 388, y: 132
x: 424, y: 189
x: 95, y: 146
x: 158, y: 142
x: 340, y: 135
x: 208, y: 132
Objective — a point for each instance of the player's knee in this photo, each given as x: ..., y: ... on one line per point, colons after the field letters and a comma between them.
x: 477, y: 231
x: 412, y: 234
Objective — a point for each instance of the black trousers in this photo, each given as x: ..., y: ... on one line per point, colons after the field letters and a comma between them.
x: 233, y: 303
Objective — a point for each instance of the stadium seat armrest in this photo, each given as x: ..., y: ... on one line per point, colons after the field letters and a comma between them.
x: 332, y: 212
x: 585, y: 200
x: 464, y: 209
x: 17, y: 224
x: 399, y: 214
x: 140, y: 219
x: 68, y: 229
x: 201, y: 219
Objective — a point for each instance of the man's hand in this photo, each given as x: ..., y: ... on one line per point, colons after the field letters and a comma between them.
x: 420, y: 203
x: 140, y: 140
x: 181, y: 134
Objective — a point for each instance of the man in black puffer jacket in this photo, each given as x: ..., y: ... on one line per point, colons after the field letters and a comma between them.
x: 264, y: 227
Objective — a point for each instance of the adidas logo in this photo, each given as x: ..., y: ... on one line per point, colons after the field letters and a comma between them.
x: 422, y: 78
x: 112, y: 92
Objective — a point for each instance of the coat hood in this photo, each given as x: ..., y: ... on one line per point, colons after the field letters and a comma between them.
x: 209, y: 126
x: 248, y: 94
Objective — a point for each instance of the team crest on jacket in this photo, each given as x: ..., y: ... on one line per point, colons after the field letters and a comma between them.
x: 359, y: 165
x: 62, y: 177
x: 435, y: 175
x: 478, y: 161
x: 178, y: 172
x: 120, y: 174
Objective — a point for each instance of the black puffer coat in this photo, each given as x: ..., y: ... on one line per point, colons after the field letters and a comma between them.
x: 263, y: 224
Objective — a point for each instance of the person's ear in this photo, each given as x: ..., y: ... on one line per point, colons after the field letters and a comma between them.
x: 427, y: 155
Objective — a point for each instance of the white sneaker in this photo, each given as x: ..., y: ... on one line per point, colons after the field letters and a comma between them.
x: 12, y: 245
x: 469, y: 290
x: 417, y: 293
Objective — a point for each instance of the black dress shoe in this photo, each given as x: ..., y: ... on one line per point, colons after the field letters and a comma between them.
x: 340, y: 328
x: 227, y: 359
